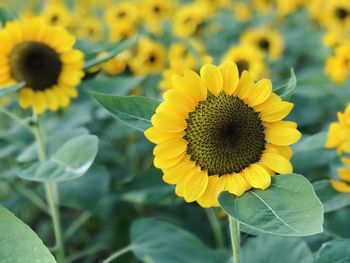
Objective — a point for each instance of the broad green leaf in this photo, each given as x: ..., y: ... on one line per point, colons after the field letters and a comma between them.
x: 160, y: 242
x: 120, y: 85
x: 286, y: 91
x: 119, y: 47
x: 271, y: 249
x: 289, y: 207
x: 313, y: 142
x: 335, y: 222
x: 334, y: 251
x: 72, y: 160
x: 331, y: 199
x: 6, y: 15
x: 52, y: 144
x: 133, y: 110
x: 4, y: 91
x: 18, y: 243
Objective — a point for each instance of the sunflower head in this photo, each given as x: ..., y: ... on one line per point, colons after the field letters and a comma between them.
x: 343, y: 185
x: 221, y: 132
x: 42, y: 57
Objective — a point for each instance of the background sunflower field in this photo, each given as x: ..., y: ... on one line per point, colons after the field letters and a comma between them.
x: 110, y: 201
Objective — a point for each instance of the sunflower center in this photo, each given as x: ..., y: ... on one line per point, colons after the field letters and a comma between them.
x: 242, y: 65
x: 152, y: 59
x: 224, y: 135
x: 264, y: 44
x: 341, y: 13
x: 35, y: 63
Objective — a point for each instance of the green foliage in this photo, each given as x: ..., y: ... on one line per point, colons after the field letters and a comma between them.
x: 70, y: 161
x: 270, y: 249
x: 18, y: 243
x: 132, y: 110
x: 289, y: 207
x: 160, y: 242
x: 286, y: 91
x: 334, y: 251
x: 6, y: 15
x: 5, y: 91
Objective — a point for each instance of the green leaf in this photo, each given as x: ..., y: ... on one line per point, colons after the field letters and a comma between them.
x: 160, y: 242
x: 5, y: 91
x: 270, y: 249
x: 286, y: 91
x: 313, y: 142
x: 119, y: 47
x: 6, y: 16
x: 133, y: 110
x: 331, y: 199
x: 72, y: 160
x: 289, y: 207
x: 334, y: 251
x: 120, y: 85
x: 18, y: 243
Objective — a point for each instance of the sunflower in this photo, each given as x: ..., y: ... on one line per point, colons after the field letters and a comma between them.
x: 285, y: 8
x: 218, y: 132
x: 343, y: 185
x: 269, y: 41
x: 336, y: 14
x: 122, y: 12
x: 117, y: 64
x: 56, y: 15
x: 242, y: 12
x: 42, y: 57
x: 121, y: 31
x: 338, y: 66
x: 247, y: 57
x: 338, y: 135
x: 263, y: 6
x: 149, y: 57
x: 189, y: 20
x: 91, y: 28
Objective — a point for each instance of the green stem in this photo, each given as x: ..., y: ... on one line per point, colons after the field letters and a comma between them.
x: 32, y: 196
x: 215, y: 226
x: 50, y: 196
x: 235, y: 239
x: 77, y: 224
x: 16, y: 119
x: 118, y: 254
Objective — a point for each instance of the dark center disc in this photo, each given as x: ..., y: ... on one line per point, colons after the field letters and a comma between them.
x: 341, y: 13
x: 224, y: 135
x: 264, y: 44
x: 35, y: 63
x: 242, y: 65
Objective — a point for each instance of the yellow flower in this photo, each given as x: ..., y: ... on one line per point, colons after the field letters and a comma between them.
x: 122, y: 12
x: 338, y: 66
x: 266, y: 39
x: 91, y: 28
x: 218, y: 132
x: 42, y: 56
x: 117, y: 64
x: 189, y: 20
x: 339, y: 132
x: 343, y: 185
x: 242, y: 12
x: 214, y: 5
x: 336, y: 14
x: 247, y: 58
x: 263, y: 6
x: 121, y: 31
x: 285, y: 8
x: 149, y: 57
x: 56, y: 15
x: 335, y: 37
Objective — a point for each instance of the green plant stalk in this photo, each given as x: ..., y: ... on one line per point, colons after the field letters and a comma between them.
x: 216, y: 227
x: 49, y: 190
x: 235, y: 239
x: 118, y: 254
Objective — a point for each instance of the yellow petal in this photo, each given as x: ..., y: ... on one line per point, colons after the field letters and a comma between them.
x: 230, y: 77
x: 170, y: 148
x: 340, y: 186
x: 235, y: 184
x: 209, y: 197
x: 275, y: 111
x: 245, y: 85
x: 285, y: 151
x: 277, y: 162
x: 178, y: 172
x: 345, y: 160
x: 260, y: 93
x: 155, y: 135
x: 257, y: 176
x: 26, y: 97
x: 282, y: 135
x: 344, y: 174
x: 169, y: 122
x: 162, y: 163
x: 212, y: 78
x: 177, y: 99
x: 39, y: 102
x: 195, y: 184
x: 196, y: 84
x: 51, y: 100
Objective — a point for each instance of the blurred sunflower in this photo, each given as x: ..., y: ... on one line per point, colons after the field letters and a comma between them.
x: 338, y: 66
x: 343, y: 185
x: 215, y: 5
x: 269, y: 41
x: 285, y: 8
x: 242, y: 12
x: 117, y: 64
x: 218, y: 132
x: 336, y: 14
x: 339, y: 133
x: 91, y: 28
x: 42, y: 57
x: 263, y: 6
x: 121, y: 31
x: 56, y: 15
x: 247, y: 57
x: 149, y: 57
x: 122, y: 12
x: 189, y: 20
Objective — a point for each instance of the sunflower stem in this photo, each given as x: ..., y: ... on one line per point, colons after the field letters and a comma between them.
x: 235, y: 239
x: 215, y: 226
x: 51, y: 198
x: 118, y: 254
